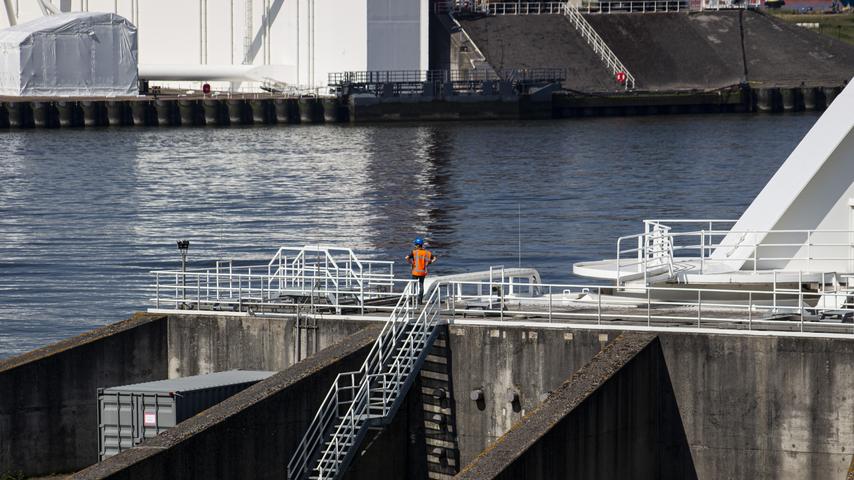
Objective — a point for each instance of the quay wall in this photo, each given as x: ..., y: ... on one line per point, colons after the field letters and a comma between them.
x: 47, y: 113
x: 669, y: 51
x: 48, y: 414
x: 750, y: 406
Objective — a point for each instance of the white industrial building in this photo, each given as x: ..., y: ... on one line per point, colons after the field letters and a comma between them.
x: 305, y: 39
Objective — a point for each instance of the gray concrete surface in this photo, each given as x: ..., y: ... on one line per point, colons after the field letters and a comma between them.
x: 614, y: 418
x: 204, y: 344
x: 764, y: 407
x: 667, y: 51
x: 539, y: 41
x: 249, y: 435
x: 531, y: 362
x: 48, y: 414
x: 751, y: 407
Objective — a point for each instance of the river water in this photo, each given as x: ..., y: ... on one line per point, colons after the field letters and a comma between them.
x: 85, y: 214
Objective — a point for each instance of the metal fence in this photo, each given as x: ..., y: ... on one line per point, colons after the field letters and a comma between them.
x: 664, y: 246
x: 484, y: 7
x: 446, y: 76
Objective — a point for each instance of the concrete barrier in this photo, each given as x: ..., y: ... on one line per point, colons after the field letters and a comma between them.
x: 48, y: 415
x: 249, y: 435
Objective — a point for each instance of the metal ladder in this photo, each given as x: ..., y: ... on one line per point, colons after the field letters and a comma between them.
x: 609, y: 58
x: 370, y: 397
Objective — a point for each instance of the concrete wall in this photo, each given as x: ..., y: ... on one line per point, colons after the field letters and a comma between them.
x: 48, y: 414
x: 665, y: 51
x: 48, y: 421
x: 531, y: 362
x: 249, y: 435
x: 616, y: 417
x: 751, y: 406
x: 205, y: 344
x: 764, y: 407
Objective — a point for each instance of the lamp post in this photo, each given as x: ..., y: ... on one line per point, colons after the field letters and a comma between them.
x: 183, y: 247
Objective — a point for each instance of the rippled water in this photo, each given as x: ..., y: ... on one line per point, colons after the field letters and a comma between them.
x: 84, y: 215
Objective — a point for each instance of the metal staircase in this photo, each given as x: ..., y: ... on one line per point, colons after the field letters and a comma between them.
x: 370, y: 397
x: 609, y: 58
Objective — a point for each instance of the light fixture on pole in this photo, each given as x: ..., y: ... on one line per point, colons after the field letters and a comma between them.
x: 183, y: 247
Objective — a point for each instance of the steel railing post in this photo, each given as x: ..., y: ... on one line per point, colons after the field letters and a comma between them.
x: 157, y: 290
x: 550, y: 304
x: 750, y: 310
x: 599, y: 306
x: 699, y: 306
x: 648, y: 306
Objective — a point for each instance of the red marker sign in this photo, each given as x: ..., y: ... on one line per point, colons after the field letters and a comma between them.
x: 621, y: 77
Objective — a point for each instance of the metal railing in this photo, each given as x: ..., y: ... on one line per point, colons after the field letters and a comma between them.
x: 446, y: 76
x: 335, y: 275
x: 697, y: 309
x: 600, y: 48
x: 619, y: 71
x: 769, y: 250
x: 558, y: 8
x: 371, y: 395
x: 636, y: 6
x: 730, y: 4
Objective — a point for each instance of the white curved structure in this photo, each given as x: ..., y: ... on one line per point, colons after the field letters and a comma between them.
x: 800, y: 228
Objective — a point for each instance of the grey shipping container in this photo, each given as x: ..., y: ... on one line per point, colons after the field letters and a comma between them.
x: 129, y: 414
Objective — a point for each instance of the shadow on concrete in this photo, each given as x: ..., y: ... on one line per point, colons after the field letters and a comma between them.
x: 616, y: 417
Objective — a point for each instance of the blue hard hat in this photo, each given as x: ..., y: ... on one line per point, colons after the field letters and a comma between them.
x: 418, y: 241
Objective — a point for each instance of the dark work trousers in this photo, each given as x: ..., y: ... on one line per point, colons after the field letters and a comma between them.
x: 420, y: 288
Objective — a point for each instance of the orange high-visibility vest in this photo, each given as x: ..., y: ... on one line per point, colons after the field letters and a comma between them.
x: 420, y: 259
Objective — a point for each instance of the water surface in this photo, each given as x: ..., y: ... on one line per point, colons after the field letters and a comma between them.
x: 85, y: 214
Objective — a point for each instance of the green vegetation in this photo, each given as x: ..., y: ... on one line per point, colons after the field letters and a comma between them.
x: 12, y: 476
x: 837, y: 25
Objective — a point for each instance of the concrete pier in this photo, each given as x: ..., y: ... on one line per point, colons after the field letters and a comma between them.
x: 311, y: 110
x: 235, y: 111
x: 491, y: 104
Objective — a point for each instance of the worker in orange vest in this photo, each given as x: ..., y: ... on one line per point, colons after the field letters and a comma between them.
x: 420, y: 258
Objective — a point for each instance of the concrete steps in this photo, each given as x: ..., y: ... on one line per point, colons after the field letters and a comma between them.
x: 440, y: 430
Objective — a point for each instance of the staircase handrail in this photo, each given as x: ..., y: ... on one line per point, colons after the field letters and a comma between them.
x: 314, y: 437
x: 598, y: 44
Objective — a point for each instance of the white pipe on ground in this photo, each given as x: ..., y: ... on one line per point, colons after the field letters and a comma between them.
x: 216, y: 73
x: 10, y: 13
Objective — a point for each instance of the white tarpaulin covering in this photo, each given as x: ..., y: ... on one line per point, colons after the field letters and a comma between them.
x: 72, y: 54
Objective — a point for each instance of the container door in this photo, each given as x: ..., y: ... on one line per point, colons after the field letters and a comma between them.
x: 157, y: 413
x: 117, y: 423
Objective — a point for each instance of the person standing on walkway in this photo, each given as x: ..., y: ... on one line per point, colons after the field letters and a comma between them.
x: 420, y: 259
